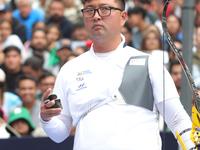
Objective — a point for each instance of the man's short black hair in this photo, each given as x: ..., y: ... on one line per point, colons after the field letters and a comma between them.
x: 34, y: 62
x: 137, y: 10
x: 25, y: 77
x: 44, y: 75
x: 121, y: 3
x: 10, y: 48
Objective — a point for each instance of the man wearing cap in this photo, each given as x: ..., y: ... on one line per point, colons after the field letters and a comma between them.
x: 64, y: 49
x: 17, y: 27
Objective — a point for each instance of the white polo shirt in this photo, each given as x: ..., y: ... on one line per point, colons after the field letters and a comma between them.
x: 88, y: 80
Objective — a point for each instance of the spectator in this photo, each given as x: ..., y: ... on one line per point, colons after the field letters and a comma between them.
x: 172, y: 55
x: 27, y: 15
x: 42, y: 4
x: 80, y: 50
x: 53, y: 34
x: 79, y: 36
x: 175, y: 72
x: 38, y: 47
x: 27, y: 90
x: 7, y: 99
x: 71, y: 56
x: 39, y: 25
x: 152, y: 44
x: 19, y: 120
x: 33, y: 67
x: 9, y: 39
x: 12, y: 67
x: 157, y: 7
x: 56, y: 13
x: 151, y: 17
x: 151, y: 40
x: 138, y: 24
x: 46, y: 80
x: 174, y: 28
x: 63, y: 51
x: 126, y: 31
x: 73, y: 10
x: 79, y: 33
x: 175, y: 7
x: 17, y: 27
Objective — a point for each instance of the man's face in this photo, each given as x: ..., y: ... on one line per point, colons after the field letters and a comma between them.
x: 21, y: 126
x: 6, y: 15
x: 134, y: 20
x: 173, y: 24
x: 80, y: 33
x: 27, y: 91
x: 126, y: 34
x: 104, y: 27
x: 46, y: 83
x: 6, y: 30
x: 24, y: 8
x: 29, y: 71
x: 12, y: 60
x: 56, y: 11
x: 39, y: 40
x: 63, y: 53
x: 176, y: 75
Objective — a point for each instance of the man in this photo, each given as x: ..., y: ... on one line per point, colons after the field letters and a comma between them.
x: 12, y: 67
x: 27, y: 15
x: 101, y: 90
x: 33, y: 66
x: 175, y: 72
x: 17, y: 27
x: 64, y: 49
x: 138, y: 24
x: 56, y: 13
x: 27, y: 90
x: 38, y: 47
x: 46, y: 80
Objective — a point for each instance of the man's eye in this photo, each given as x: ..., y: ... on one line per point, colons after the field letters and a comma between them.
x: 89, y: 10
x: 105, y: 8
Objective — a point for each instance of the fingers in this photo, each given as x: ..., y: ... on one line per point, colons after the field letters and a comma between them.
x: 49, y: 104
x: 47, y: 114
x: 46, y: 94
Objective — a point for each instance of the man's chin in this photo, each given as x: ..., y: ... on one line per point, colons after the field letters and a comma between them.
x: 25, y: 16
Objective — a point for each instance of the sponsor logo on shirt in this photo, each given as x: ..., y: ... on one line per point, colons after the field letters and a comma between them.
x: 81, y: 86
x: 84, y: 72
x: 80, y: 78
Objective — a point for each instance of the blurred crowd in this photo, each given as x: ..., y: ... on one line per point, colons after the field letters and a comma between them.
x: 37, y: 37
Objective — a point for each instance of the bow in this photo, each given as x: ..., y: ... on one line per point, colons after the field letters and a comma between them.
x: 194, y: 136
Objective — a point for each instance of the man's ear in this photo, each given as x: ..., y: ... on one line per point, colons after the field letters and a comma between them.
x: 123, y: 17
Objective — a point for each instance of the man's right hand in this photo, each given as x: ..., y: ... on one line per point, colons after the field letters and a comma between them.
x: 47, y: 113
